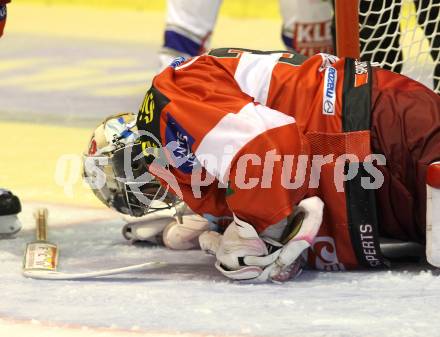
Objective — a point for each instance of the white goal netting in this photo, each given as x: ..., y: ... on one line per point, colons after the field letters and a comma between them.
x: 404, y: 36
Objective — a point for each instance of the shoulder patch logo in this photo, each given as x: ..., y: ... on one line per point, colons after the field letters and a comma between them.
x: 180, y: 143
x: 361, y: 73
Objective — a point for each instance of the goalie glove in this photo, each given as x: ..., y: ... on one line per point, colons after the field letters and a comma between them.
x: 243, y: 255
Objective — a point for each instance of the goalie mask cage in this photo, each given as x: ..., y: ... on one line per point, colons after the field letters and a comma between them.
x: 400, y: 35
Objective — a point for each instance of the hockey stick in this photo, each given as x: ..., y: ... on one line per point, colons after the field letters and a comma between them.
x: 55, y: 275
x: 41, y: 258
x: 40, y: 254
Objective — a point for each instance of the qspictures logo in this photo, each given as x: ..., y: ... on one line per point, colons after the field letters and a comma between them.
x: 293, y: 174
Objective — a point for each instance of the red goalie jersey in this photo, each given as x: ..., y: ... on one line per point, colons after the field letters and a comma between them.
x: 253, y: 133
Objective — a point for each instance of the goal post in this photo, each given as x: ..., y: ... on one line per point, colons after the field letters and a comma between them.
x: 399, y: 35
x: 346, y: 23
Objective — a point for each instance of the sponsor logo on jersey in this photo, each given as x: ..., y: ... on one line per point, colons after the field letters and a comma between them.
x: 361, y: 73
x: 180, y: 143
x: 329, y: 94
x: 327, y: 61
x: 371, y: 254
x: 326, y: 257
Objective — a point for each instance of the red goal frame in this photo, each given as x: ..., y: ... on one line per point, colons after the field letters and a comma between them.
x: 347, y: 28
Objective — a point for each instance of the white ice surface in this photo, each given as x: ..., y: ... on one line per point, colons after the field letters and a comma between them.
x: 189, y: 296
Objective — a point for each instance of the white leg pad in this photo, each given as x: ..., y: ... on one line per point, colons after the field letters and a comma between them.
x: 433, y: 226
x: 185, y: 235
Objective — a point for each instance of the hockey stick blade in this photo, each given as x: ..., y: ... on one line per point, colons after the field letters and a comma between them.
x: 54, y: 275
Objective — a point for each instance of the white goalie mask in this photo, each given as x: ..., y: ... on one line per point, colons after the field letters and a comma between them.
x: 116, y: 168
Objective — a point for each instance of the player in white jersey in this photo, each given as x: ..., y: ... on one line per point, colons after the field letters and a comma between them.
x: 306, y: 27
